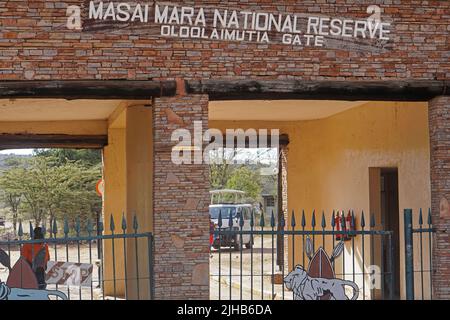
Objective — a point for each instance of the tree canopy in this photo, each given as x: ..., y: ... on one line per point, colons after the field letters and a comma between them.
x: 52, y: 184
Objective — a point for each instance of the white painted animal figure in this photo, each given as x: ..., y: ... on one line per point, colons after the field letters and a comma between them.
x: 7, y: 293
x: 308, y: 288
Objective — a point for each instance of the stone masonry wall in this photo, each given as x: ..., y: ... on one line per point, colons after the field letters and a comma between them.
x: 439, y: 122
x: 180, y: 205
x: 35, y: 44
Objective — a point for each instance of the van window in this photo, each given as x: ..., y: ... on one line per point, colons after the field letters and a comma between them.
x: 225, y: 211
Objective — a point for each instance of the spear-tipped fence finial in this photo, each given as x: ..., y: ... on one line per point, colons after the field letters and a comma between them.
x: 124, y: 223
x: 112, y: 225
x: 313, y: 220
x: 20, y: 230
x: 272, y: 220
x: 54, y: 227
x: 77, y: 226
x: 89, y: 227
x: 219, y: 222
x: 135, y: 222
x: 293, y: 222
x: 323, y: 224
x: 241, y: 220
x: 353, y: 220
x: 66, y: 227
x: 363, y: 220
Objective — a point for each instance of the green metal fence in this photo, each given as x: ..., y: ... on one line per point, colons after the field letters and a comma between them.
x: 85, y: 261
x: 339, y: 249
x: 418, y: 247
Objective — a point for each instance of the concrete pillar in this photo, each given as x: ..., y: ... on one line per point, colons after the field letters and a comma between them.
x: 180, y: 204
x: 439, y: 126
x: 114, y: 203
x: 128, y: 175
x: 139, y: 175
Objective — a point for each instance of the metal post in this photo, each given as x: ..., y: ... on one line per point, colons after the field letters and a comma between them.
x: 409, y: 259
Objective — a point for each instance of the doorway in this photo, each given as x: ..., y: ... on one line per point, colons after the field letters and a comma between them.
x: 384, y: 204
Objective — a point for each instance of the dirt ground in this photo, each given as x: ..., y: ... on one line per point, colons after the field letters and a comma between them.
x: 243, y: 284
x: 92, y: 292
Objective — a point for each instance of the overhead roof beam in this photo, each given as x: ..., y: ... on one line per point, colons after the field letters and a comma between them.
x: 396, y: 90
x: 21, y: 141
x: 87, y: 89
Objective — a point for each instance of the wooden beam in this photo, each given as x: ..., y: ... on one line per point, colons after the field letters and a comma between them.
x: 396, y: 90
x: 87, y: 89
x: 21, y: 141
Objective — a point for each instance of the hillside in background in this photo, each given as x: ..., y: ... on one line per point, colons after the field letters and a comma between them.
x: 4, y: 158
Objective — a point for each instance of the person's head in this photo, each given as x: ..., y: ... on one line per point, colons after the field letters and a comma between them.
x: 37, y: 233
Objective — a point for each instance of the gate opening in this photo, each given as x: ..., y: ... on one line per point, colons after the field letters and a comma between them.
x: 254, y: 175
x: 338, y: 154
x: 390, y: 219
x: 54, y: 237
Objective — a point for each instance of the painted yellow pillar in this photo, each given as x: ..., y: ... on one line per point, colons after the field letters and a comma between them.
x: 139, y: 163
x: 128, y: 174
x: 114, y: 203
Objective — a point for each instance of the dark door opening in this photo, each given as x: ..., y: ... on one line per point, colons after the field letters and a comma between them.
x: 385, y: 206
x: 390, y: 221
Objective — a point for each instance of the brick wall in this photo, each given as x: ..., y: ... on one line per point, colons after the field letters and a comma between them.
x: 35, y: 44
x: 180, y: 205
x: 439, y: 122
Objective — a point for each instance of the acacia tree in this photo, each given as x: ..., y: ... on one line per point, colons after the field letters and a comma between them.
x: 49, y: 188
x: 11, y: 193
x: 221, y: 167
x: 246, y: 180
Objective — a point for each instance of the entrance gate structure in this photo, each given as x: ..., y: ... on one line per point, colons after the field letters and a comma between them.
x: 347, y: 249
x: 86, y: 262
